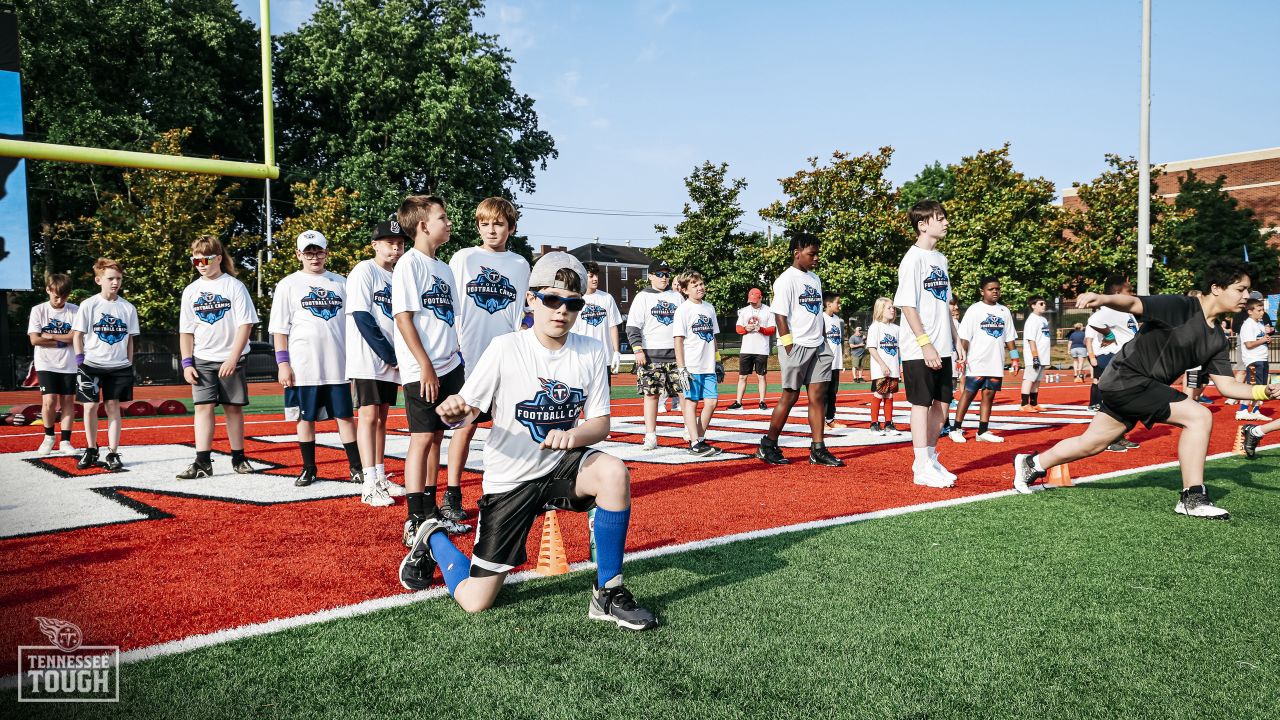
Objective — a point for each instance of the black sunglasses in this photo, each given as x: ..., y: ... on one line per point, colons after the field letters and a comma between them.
x: 661, y: 274
x: 572, y: 304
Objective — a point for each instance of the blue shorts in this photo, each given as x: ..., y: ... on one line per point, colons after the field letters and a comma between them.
x: 702, y: 387
x: 1257, y: 372
x: 974, y: 384
x: 314, y: 403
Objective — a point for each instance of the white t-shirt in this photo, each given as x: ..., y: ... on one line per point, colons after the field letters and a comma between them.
x: 369, y: 290
x: 1251, y: 330
x: 756, y: 342
x: 212, y: 311
x: 107, y: 325
x: 654, y: 313
x: 797, y: 296
x: 1123, y: 327
x: 1036, y: 330
x: 598, y: 317
x: 531, y: 390
x: 884, y: 338
x: 491, y: 288
x: 424, y: 286
x: 987, y: 328
x: 835, y: 336
x: 44, y: 319
x: 697, y: 324
x: 923, y: 284
x: 311, y: 310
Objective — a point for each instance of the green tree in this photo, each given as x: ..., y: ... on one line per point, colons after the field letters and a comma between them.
x: 384, y: 97
x: 1216, y: 226
x: 851, y: 206
x: 934, y: 182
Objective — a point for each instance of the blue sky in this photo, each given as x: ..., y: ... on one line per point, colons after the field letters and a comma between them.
x: 638, y: 93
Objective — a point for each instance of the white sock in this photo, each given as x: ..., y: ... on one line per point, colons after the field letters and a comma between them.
x: 933, y: 453
x: 381, y: 470
x: 1035, y: 463
x: 370, y: 476
x: 922, y: 456
x: 1255, y: 431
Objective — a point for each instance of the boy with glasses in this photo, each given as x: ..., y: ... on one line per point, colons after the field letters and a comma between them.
x: 653, y: 311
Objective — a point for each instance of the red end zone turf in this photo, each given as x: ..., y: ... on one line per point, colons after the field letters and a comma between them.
x: 199, y: 565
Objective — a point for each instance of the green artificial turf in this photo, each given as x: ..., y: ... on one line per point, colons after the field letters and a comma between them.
x: 1090, y: 602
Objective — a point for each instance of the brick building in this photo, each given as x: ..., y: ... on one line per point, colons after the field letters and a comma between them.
x: 621, y: 266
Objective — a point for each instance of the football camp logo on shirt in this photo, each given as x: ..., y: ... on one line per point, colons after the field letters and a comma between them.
x: 56, y: 327
x: 1133, y: 326
x: 833, y: 334
x: 322, y: 303
x: 1044, y: 330
x: 593, y: 314
x: 994, y: 326
x: 703, y: 328
x: 811, y: 299
x: 491, y: 291
x: 439, y: 300
x: 555, y: 407
x: 937, y: 283
x: 110, y: 329
x: 382, y: 298
x: 664, y: 312
x: 889, y: 345
x: 211, y: 307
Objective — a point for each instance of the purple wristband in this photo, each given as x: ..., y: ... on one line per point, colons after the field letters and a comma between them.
x: 282, y: 356
x: 188, y: 363
x: 79, y: 358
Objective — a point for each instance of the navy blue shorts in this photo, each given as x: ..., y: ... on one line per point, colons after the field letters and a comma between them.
x: 974, y: 384
x: 314, y: 403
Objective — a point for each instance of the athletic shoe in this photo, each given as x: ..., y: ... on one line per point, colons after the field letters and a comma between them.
x: 616, y: 605
x: 243, y: 467
x: 418, y: 566
x: 650, y: 441
x: 390, y: 488
x: 357, y: 475
x: 946, y: 474
x: 306, y: 477
x: 1250, y: 441
x: 891, y: 429
x: 927, y: 475
x: 1260, y: 416
x: 735, y: 405
x: 452, y: 508
x: 88, y: 459
x: 411, y: 529
x: 1232, y: 401
x: 113, y: 463
x: 771, y: 453
x: 1194, y: 502
x: 1117, y: 446
x: 453, y: 527
x: 822, y: 456
x: 1244, y: 415
x: 989, y: 436
x: 945, y: 431
x: 763, y: 406
x: 875, y: 428
x: 1078, y: 379
x: 373, y: 495
x: 702, y: 449
x: 1095, y: 408
x: 1204, y: 400
x: 835, y: 425
x: 1025, y: 473
x: 1030, y: 408
x: 1038, y: 409
x: 1128, y: 444
x: 195, y: 471
x: 46, y: 445
x: 64, y: 448
x: 957, y: 436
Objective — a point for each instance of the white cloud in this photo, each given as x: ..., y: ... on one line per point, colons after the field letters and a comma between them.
x: 512, y: 30
x: 568, y: 84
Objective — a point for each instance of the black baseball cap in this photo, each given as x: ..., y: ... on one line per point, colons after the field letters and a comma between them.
x: 659, y: 266
x: 390, y: 230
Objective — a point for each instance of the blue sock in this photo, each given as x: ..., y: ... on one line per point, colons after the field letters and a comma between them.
x: 454, y: 566
x: 611, y: 536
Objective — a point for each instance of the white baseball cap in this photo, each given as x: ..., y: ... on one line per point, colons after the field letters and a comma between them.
x: 311, y: 237
x: 544, y: 271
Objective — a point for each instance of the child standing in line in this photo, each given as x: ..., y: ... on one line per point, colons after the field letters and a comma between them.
x: 49, y: 329
x: 985, y: 333
x: 600, y: 318
x: 1036, y: 346
x: 882, y: 346
x: 694, y: 330
x: 1253, y: 339
x: 835, y: 336
x: 104, y: 329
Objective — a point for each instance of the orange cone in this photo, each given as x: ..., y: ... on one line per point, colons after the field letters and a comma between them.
x: 1238, y: 447
x: 1059, y: 476
x: 551, y: 557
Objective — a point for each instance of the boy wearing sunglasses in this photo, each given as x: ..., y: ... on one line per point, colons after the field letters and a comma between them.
x: 649, y: 323
x: 103, y: 333
x: 308, y: 324
x: 214, y: 323
x: 537, y: 385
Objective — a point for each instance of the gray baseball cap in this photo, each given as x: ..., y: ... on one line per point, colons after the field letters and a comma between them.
x: 544, y: 271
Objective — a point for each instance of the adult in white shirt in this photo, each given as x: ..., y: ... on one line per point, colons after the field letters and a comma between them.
x: 755, y: 325
x: 986, y: 331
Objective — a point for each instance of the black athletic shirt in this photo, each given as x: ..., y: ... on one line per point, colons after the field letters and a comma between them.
x: 1174, y: 338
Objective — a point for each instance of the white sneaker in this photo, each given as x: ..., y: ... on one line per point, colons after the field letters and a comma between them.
x: 989, y: 436
x: 1194, y: 502
x: 944, y: 473
x: 927, y: 475
x: 1257, y: 415
x: 391, y: 489
x: 64, y: 448
x: 373, y: 495
x: 1244, y: 415
x: 957, y: 436
x: 46, y: 445
x: 650, y: 442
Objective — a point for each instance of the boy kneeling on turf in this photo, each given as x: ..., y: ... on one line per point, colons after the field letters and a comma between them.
x: 536, y: 385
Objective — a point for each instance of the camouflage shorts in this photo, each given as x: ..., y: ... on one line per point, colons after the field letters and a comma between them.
x: 658, y: 378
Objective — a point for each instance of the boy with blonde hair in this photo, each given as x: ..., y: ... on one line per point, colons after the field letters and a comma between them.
x: 882, y: 346
x: 49, y: 329
x: 695, y: 329
x: 104, y: 329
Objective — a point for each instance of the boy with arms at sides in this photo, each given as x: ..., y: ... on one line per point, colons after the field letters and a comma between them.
x: 882, y: 346
x: 49, y: 329
x: 695, y: 329
x: 600, y: 318
x: 755, y: 325
x: 536, y: 385
x: 1253, y: 356
x: 985, y: 333
x: 104, y: 329
x: 214, y: 323
x: 1036, y: 346
x: 492, y: 282
x: 653, y: 310
x: 835, y: 336
x: 924, y: 289
x: 426, y: 343
x: 803, y: 349
x: 308, y: 325
x: 371, y: 357
x: 1178, y: 332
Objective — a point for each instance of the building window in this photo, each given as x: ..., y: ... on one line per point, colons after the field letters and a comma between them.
x: 624, y: 295
x: 622, y: 274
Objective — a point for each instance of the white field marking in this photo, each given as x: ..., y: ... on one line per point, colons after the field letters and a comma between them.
x: 219, y: 637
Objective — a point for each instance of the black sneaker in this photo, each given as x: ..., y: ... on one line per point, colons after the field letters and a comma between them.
x: 875, y: 428
x: 88, y: 459
x: 453, y: 527
x: 771, y: 453
x: 113, y: 463
x: 1025, y: 473
x: 1095, y: 408
x: 195, y: 471
x: 1117, y: 446
x: 1249, y: 440
x: 1128, y: 443
x: 702, y: 449
x: 763, y: 406
x: 452, y: 508
x: 946, y: 430
x: 891, y: 428
x: 243, y: 467
x: 357, y: 475
x: 1194, y: 502
x: 418, y: 566
x: 616, y: 605
x: 735, y: 405
x: 306, y: 477
x: 820, y: 455
x: 411, y: 529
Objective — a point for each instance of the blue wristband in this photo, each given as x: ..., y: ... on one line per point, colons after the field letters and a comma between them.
x: 282, y: 356
x: 188, y: 363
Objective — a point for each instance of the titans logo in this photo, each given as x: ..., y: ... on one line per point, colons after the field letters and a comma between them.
x: 811, y: 299
x: 56, y: 327
x: 703, y: 328
x: 664, y: 312
x: 211, y: 307
x: 324, y: 304
x: 889, y: 345
x: 592, y: 314
x: 491, y: 291
x: 833, y: 334
x: 555, y: 407
x: 937, y: 283
x: 382, y: 298
x: 993, y: 326
x: 1133, y: 326
x: 439, y: 300
x: 110, y: 329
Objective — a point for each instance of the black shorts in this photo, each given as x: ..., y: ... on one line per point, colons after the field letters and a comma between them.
x: 1147, y: 403
x: 213, y: 390
x: 374, y: 392
x: 56, y: 383
x: 502, y: 529
x: 753, y: 364
x: 925, y: 386
x: 93, y: 383
x: 422, y: 414
x: 1196, y: 379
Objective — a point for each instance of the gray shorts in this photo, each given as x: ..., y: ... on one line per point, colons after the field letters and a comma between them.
x: 806, y: 366
x: 211, y: 389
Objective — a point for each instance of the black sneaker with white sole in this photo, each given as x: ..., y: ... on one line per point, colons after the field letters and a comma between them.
x: 820, y: 455
x: 763, y: 406
x: 195, y: 471
x: 113, y: 462
x: 452, y: 508
x: 1025, y: 472
x: 88, y: 459
x: 1117, y: 446
x: 616, y: 605
x: 1249, y: 440
x: 243, y: 468
x: 1195, y: 502
x: 418, y: 566
x: 735, y: 405
x: 770, y: 452
x: 306, y: 477
x: 1129, y: 444
x: 875, y: 428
